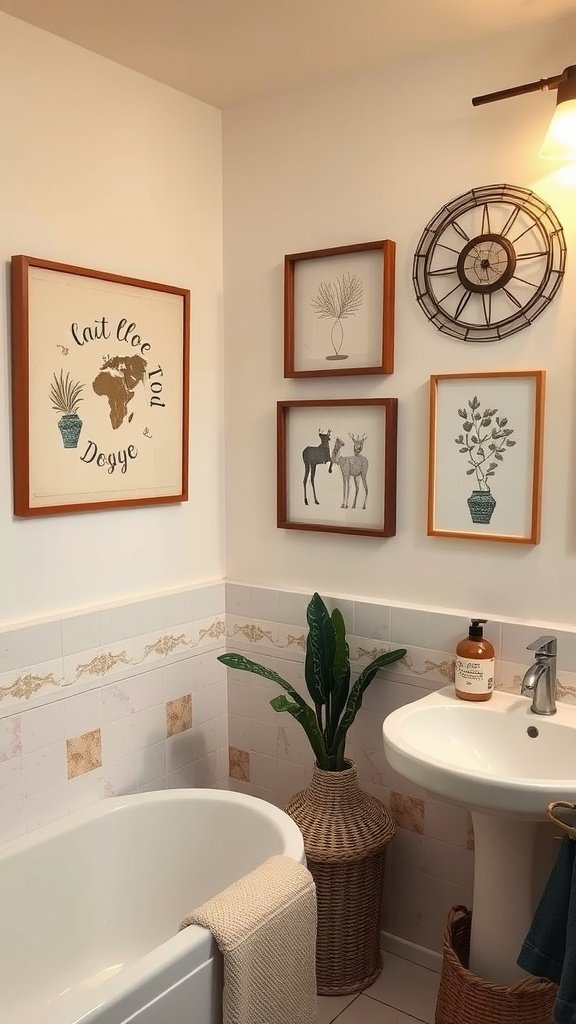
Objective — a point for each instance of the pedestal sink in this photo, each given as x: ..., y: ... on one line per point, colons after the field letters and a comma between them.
x: 506, y: 764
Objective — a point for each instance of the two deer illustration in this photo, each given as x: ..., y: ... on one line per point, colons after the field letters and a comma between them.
x: 351, y: 466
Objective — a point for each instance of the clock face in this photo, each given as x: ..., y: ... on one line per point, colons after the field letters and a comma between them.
x: 489, y: 263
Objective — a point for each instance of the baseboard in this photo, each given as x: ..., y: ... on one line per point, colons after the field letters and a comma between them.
x: 410, y: 951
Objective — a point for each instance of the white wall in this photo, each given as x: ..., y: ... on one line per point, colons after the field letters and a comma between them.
x: 101, y: 167
x: 374, y: 156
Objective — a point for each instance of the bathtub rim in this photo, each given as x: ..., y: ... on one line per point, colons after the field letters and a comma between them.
x: 113, y: 805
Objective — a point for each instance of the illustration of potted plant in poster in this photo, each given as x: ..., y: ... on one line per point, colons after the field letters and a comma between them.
x: 65, y: 396
x: 485, y: 455
x: 485, y: 440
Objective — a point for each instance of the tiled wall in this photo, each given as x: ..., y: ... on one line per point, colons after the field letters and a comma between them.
x: 132, y: 698
x: 120, y: 700
x: 431, y: 860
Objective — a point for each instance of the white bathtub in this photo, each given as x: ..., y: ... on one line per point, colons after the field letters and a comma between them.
x: 90, y: 907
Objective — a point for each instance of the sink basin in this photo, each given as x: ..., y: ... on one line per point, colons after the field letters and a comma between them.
x: 483, y: 755
x: 506, y: 764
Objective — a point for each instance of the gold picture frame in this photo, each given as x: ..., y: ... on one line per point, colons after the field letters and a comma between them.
x: 486, y: 435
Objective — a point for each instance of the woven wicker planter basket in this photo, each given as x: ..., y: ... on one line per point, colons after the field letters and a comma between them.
x: 346, y: 833
x: 465, y: 998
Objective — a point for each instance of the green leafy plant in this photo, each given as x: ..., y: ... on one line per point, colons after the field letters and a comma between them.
x: 485, y: 439
x: 65, y: 394
x: 328, y: 678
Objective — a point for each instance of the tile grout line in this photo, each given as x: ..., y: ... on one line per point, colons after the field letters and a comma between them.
x: 345, y: 1008
x: 375, y: 999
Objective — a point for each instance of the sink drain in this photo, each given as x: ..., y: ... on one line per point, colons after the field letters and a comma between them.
x: 532, y: 731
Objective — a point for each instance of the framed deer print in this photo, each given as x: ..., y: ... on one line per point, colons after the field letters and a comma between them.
x: 99, y: 389
x: 337, y: 466
x: 339, y: 310
x: 485, y: 471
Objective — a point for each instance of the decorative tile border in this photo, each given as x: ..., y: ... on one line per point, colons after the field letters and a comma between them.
x: 75, y: 671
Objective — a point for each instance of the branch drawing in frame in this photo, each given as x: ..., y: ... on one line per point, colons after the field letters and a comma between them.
x: 485, y: 459
x: 339, y: 310
x: 337, y: 466
x: 99, y: 389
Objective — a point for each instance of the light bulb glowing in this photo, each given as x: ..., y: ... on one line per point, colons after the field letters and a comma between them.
x: 560, y: 140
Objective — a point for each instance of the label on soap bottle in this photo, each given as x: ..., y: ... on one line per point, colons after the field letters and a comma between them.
x: 474, y: 675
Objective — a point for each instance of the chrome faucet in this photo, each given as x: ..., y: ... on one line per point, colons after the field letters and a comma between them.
x: 539, y: 682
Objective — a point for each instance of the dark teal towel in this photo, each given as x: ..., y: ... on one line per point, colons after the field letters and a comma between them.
x: 549, y: 950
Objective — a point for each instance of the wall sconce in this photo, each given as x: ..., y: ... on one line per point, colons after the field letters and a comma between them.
x: 560, y: 140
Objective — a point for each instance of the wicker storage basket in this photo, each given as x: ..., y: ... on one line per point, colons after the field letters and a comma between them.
x: 465, y: 998
x: 346, y: 833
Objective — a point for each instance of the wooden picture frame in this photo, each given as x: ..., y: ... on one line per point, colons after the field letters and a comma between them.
x: 486, y: 434
x: 100, y: 375
x: 356, y: 281
x: 310, y: 501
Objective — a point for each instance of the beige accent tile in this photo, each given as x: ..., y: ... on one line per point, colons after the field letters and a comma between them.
x: 239, y: 764
x: 84, y: 753
x: 408, y: 812
x: 179, y: 715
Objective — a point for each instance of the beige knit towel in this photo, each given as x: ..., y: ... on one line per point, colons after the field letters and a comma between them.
x: 265, y: 927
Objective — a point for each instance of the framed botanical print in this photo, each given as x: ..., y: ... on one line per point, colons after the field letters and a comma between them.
x: 337, y: 466
x: 99, y: 389
x: 339, y: 310
x: 485, y: 468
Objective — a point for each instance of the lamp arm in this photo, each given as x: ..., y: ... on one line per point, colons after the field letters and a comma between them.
x: 519, y: 90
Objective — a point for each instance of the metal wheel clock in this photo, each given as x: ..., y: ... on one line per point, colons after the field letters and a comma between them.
x: 489, y: 262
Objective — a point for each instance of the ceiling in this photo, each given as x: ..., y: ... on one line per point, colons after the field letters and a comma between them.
x: 228, y: 52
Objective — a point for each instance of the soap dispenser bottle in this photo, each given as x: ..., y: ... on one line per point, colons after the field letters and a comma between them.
x: 474, y: 670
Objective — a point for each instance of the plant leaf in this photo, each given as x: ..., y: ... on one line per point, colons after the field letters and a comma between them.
x: 317, y: 679
x: 242, y: 664
x: 354, y: 702
x: 341, y: 673
x: 307, y: 719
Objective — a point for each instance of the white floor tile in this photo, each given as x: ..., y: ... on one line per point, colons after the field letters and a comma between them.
x: 369, y: 1011
x: 330, y: 1006
x: 407, y: 987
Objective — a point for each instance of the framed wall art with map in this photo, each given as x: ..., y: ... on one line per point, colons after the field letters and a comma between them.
x: 99, y: 389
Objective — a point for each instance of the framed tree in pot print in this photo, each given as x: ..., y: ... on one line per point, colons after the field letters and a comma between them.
x: 337, y: 466
x: 485, y: 466
x: 99, y: 389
